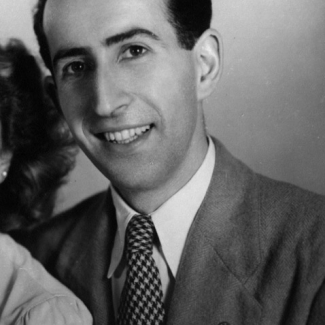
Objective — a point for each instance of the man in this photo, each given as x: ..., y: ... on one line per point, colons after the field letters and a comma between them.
x: 231, y: 246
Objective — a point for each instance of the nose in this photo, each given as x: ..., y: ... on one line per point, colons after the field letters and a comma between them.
x: 110, y: 95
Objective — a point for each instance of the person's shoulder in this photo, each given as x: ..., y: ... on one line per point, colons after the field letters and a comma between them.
x: 283, y: 210
x: 79, y: 210
x: 290, y: 199
x: 265, y: 194
x: 30, y: 295
x: 289, y: 221
x: 57, y: 310
x: 75, y: 214
x: 46, y: 238
x: 289, y: 215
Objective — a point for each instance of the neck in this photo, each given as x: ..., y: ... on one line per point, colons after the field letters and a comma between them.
x: 146, y: 201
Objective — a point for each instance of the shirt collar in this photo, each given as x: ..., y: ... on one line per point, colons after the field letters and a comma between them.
x: 172, y: 219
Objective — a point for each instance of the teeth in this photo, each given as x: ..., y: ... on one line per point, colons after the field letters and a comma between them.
x: 126, y: 136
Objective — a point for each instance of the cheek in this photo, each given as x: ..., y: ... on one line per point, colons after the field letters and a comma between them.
x: 179, y: 94
x: 73, y: 117
x: 171, y: 90
x: 72, y: 105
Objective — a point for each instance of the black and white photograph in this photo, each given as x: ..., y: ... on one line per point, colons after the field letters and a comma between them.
x: 162, y: 162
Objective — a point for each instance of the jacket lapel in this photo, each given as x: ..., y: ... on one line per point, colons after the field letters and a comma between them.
x: 85, y: 258
x: 221, y: 253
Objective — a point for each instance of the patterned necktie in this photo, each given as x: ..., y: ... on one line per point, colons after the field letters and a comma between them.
x: 141, y: 299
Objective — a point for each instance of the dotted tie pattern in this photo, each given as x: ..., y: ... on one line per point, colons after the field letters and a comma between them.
x: 141, y: 299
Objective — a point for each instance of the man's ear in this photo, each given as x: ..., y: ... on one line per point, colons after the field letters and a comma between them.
x: 50, y: 88
x: 208, y: 55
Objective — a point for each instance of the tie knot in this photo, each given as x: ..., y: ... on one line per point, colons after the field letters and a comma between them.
x: 139, y: 235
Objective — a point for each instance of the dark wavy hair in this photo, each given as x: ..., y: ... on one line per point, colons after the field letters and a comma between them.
x: 42, y: 148
x: 190, y: 18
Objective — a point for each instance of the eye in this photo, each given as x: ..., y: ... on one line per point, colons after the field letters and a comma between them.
x: 134, y: 51
x: 74, y: 68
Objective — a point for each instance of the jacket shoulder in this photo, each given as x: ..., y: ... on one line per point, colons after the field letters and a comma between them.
x: 46, y: 239
x: 287, y: 202
x: 291, y: 229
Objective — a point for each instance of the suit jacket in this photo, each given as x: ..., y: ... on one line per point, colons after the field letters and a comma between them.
x: 255, y: 253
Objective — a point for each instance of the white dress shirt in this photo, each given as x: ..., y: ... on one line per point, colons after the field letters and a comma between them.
x: 172, y: 221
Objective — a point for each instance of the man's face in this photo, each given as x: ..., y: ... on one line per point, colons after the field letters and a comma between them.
x: 127, y: 89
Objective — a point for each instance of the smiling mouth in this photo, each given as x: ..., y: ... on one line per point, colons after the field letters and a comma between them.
x: 125, y: 136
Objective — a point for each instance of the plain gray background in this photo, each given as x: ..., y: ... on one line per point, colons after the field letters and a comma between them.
x: 269, y: 106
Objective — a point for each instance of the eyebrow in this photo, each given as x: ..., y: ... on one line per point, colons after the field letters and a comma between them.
x: 118, y: 38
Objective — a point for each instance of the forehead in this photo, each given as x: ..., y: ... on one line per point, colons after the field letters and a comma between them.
x: 78, y: 21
